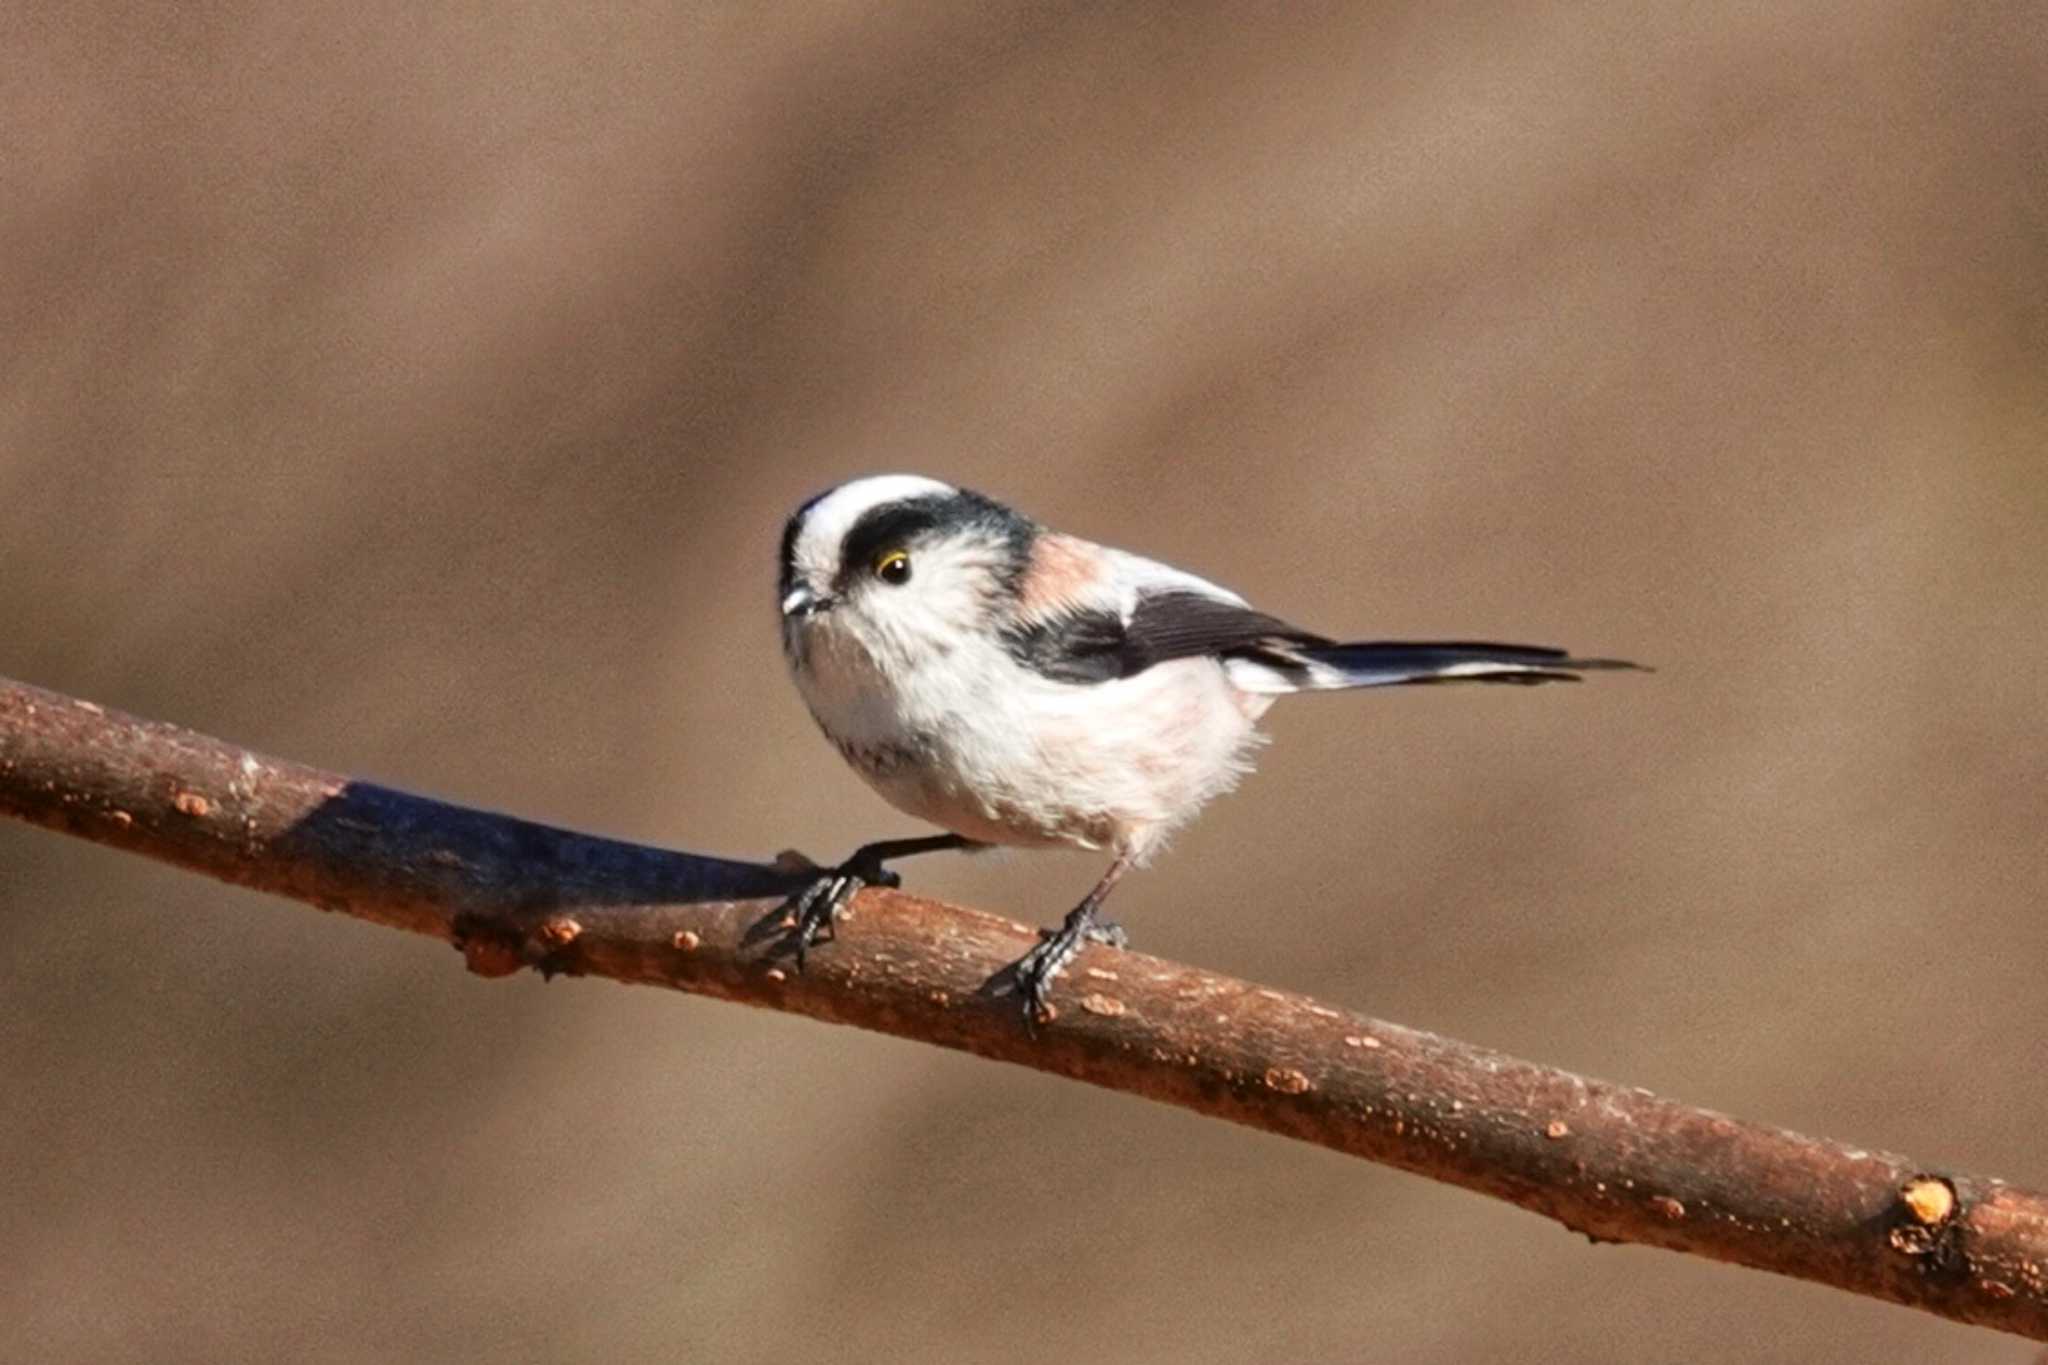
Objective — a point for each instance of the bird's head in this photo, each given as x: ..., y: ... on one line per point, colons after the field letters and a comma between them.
x: 901, y: 567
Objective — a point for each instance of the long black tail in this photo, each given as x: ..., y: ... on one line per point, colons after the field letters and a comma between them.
x: 1392, y: 663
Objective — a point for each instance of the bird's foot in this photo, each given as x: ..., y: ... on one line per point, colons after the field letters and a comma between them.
x: 824, y: 898
x: 1056, y: 948
x: 1108, y: 933
x: 816, y: 908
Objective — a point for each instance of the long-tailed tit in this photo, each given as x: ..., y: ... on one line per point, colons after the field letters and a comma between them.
x: 1014, y: 685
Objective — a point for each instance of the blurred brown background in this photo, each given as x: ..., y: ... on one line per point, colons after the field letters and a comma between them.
x: 420, y: 393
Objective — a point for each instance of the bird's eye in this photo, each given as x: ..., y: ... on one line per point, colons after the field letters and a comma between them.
x: 893, y: 566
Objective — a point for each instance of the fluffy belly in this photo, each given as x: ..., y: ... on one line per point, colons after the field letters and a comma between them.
x: 997, y: 753
x: 923, y: 783
x: 1116, y: 764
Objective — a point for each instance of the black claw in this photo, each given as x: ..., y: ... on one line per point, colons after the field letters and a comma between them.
x: 1034, y: 972
x: 1056, y: 949
x: 818, y: 906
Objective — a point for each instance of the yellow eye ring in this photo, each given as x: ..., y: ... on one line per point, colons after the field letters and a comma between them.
x: 893, y: 566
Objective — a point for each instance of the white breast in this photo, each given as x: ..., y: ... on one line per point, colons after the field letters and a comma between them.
x: 976, y: 743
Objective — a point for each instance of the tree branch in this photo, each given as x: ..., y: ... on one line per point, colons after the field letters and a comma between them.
x: 1613, y: 1162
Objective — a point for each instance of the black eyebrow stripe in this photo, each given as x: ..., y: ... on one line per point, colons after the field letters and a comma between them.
x: 888, y: 527
x: 897, y: 524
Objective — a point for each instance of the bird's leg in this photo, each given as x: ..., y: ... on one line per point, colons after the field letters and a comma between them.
x: 1036, y: 969
x: 818, y: 906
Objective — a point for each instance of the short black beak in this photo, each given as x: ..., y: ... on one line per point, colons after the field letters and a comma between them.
x: 801, y: 602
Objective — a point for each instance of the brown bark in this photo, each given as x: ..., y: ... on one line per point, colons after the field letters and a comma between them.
x: 1613, y: 1162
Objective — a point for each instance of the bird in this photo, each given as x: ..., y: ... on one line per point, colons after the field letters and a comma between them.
x: 1019, y: 686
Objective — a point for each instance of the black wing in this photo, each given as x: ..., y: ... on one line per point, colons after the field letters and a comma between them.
x: 1096, y: 645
